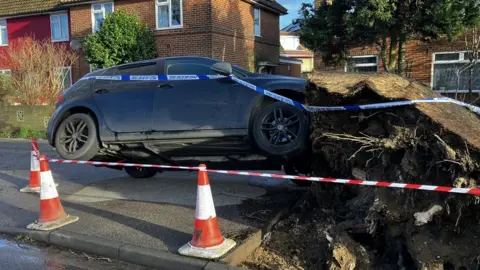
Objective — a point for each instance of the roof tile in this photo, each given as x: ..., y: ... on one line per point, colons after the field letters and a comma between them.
x: 23, y: 7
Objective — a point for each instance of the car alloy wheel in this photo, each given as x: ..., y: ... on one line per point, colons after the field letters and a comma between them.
x: 74, y: 135
x: 281, y: 127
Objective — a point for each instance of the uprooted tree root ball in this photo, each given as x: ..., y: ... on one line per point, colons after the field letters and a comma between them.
x: 357, y: 227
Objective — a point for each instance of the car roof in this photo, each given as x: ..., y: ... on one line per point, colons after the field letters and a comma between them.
x: 171, y: 57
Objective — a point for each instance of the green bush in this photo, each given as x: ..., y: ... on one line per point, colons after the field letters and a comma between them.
x: 121, y: 39
x: 6, y: 87
x: 24, y: 133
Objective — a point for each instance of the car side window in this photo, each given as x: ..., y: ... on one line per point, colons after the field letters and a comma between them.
x: 99, y: 84
x: 188, y: 67
x: 149, y: 68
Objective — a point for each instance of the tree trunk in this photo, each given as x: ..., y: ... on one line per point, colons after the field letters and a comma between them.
x: 383, y: 54
x: 392, y: 59
x: 470, y: 76
x: 401, y: 54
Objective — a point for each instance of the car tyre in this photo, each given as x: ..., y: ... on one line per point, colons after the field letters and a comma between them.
x: 76, y: 137
x: 281, y: 130
x: 138, y: 172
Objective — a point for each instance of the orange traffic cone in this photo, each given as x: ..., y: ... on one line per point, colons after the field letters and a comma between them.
x: 207, y: 241
x: 34, y: 185
x: 52, y: 215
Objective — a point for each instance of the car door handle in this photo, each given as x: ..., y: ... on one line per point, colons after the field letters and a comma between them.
x: 165, y: 86
x: 101, y: 91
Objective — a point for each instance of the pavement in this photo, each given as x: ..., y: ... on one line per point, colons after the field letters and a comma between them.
x: 153, y: 213
x: 25, y: 255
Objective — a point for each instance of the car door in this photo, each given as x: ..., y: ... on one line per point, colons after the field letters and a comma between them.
x: 194, y: 105
x: 127, y: 106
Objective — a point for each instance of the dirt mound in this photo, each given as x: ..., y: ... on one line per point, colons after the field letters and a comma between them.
x: 343, y: 88
x: 380, y: 228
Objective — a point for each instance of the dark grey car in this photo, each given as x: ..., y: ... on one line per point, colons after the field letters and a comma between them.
x: 182, y: 121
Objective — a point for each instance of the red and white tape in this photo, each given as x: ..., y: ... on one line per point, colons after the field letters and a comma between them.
x: 471, y: 191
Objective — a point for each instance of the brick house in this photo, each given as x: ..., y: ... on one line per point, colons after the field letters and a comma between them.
x: 292, y: 47
x: 243, y: 32
x: 440, y: 65
x: 39, y: 19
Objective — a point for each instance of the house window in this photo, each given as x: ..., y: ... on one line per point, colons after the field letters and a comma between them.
x: 59, y: 27
x: 3, y: 33
x: 451, y: 72
x: 99, y: 13
x: 169, y: 14
x: 5, y: 72
x: 365, y: 63
x: 256, y: 21
x: 65, y: 75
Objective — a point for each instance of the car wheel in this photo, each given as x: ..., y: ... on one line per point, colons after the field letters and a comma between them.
x: 281, y: 129
x: 138, y: 172
x: 76, y: 137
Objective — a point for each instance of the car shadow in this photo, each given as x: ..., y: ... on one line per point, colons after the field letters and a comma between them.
x: 19, y: 216
x: 16, y: 181
x: 168, y: 236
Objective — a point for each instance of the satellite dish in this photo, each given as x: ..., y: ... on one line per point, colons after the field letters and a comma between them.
x: 75, y: 45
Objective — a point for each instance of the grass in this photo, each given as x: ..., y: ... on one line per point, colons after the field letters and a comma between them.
x: 23, y: 133
x: 25, y: 238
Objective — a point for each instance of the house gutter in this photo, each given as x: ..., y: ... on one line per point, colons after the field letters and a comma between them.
x: 45, y: 12
x: 79, y: 3
x: 265, y: 7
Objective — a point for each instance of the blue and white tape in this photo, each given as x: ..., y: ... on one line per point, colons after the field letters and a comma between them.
x: 278, y: 97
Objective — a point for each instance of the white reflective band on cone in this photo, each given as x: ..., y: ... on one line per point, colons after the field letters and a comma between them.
x: 47, y: 186
x: 34, y: 162
x: 205, y: 208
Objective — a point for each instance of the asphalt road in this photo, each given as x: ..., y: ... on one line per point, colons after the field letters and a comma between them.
x: 153, y: 213
x: 20, y: 254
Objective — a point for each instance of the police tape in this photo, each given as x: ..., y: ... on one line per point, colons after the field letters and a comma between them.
x: 470, y: 191
x: 281, y: 98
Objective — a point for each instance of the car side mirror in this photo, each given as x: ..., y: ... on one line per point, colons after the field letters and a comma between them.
x: 222, y: 68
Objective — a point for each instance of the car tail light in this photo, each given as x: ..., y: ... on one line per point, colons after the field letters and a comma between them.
x: 60, y: 99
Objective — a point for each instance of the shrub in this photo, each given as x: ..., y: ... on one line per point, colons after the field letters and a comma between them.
x: 6, y: 88
x: 34, y: 64
x: 121, y: 39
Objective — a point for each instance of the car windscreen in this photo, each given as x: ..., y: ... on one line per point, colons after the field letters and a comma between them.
x: 240, y: 72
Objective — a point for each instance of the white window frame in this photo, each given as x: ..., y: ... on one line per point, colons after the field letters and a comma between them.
x: 70, y: 72
x: 92, y: 13
x: 169, y: 4
x: 461, y: 60
x: 259, y: 22
x: 366, y: 64
x: 2, y: 27
x: 59, y: 15
x: 5, y: 71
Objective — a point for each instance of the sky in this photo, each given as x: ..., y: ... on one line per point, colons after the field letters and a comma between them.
x: 293, y: 6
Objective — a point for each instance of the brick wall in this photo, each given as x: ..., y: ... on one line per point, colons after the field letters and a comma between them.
x: 417, y: 54
x: 221, y: 29
x: 285, y: 69
x: 233, y: 29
